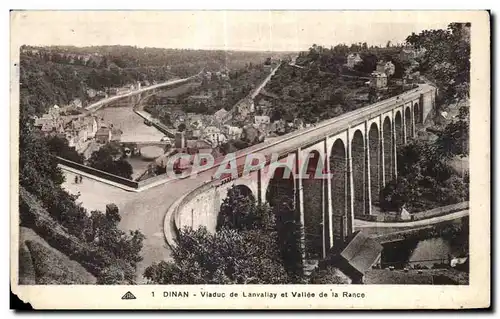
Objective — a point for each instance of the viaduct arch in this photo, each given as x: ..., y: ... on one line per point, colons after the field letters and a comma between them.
x: 357, y: 150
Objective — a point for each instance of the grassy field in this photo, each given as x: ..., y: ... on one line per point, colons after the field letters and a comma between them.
x: 41, y: 264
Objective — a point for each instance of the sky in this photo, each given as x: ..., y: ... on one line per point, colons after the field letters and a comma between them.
x: 231, y: 30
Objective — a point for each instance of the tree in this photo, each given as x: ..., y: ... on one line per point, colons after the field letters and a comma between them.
x: 112, y: 275
x: 248, y: 247
x: 425, y: 179
x: 369, y: 63
x: 60, y: 147
x: 237, y: 210
x: 289, y: 232
x: 395, y: 195
x: 446, y: 59
x: 226, y: 257
x: 181, y: 127
x: 240, y: 211
x: 38, y: 172
x: 454, y: 139
x: 251, y: 135
x: 109, y: 158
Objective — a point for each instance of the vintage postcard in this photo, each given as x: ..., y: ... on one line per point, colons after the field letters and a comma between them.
x: 250, y: 159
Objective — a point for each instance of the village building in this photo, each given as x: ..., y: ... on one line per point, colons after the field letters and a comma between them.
x: 195, y: 121
x: 222, y: 116
x: 244, y: 108
x: 262, y: 120
x: 264, y: 104
x: 50, y: 123
x: 386, y: 67
x: 101, y: 94
x: 76, y: 139
x: 88, y: 124
x: 116, y: 135
x: 196, y: 125
x: 77, y: 103
x: 378, y: 80
x: 211, y: 130
x: 123, y: 90
x: 103, y: 135
x: 91, y: 93
x: 231, y: 132
x: 268, y: 67
x: 215, y: 139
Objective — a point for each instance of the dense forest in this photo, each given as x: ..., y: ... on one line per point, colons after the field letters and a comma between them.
x: 59, y: 74
x: 426, y: 178
x: 224, y: 93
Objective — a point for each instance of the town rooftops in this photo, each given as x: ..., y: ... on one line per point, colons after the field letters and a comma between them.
x: 361, y: 252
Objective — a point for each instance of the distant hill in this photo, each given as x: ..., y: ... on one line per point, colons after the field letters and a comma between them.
x: 61, y: 74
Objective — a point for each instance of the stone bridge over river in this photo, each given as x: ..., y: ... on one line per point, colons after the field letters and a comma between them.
x: 358, y: 148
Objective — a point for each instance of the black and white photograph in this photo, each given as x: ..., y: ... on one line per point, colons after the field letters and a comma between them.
x: 242, y: 149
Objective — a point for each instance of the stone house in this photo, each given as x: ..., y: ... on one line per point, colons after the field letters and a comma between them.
x: 231, y: 132
x: 386, y: 67
x: 88, y: 124
x: 245, y: 107
x: 215, y: 139
x: 91, y: 93
x: 378, y: 80
x: 222, y: 116
x: 116, y: 135
x: 103, y: 135
x: 76, y: 103
x: 76, y: 139
x: 262, y: 120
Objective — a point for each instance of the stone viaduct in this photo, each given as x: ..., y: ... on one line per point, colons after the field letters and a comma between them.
x: 358, y: 148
